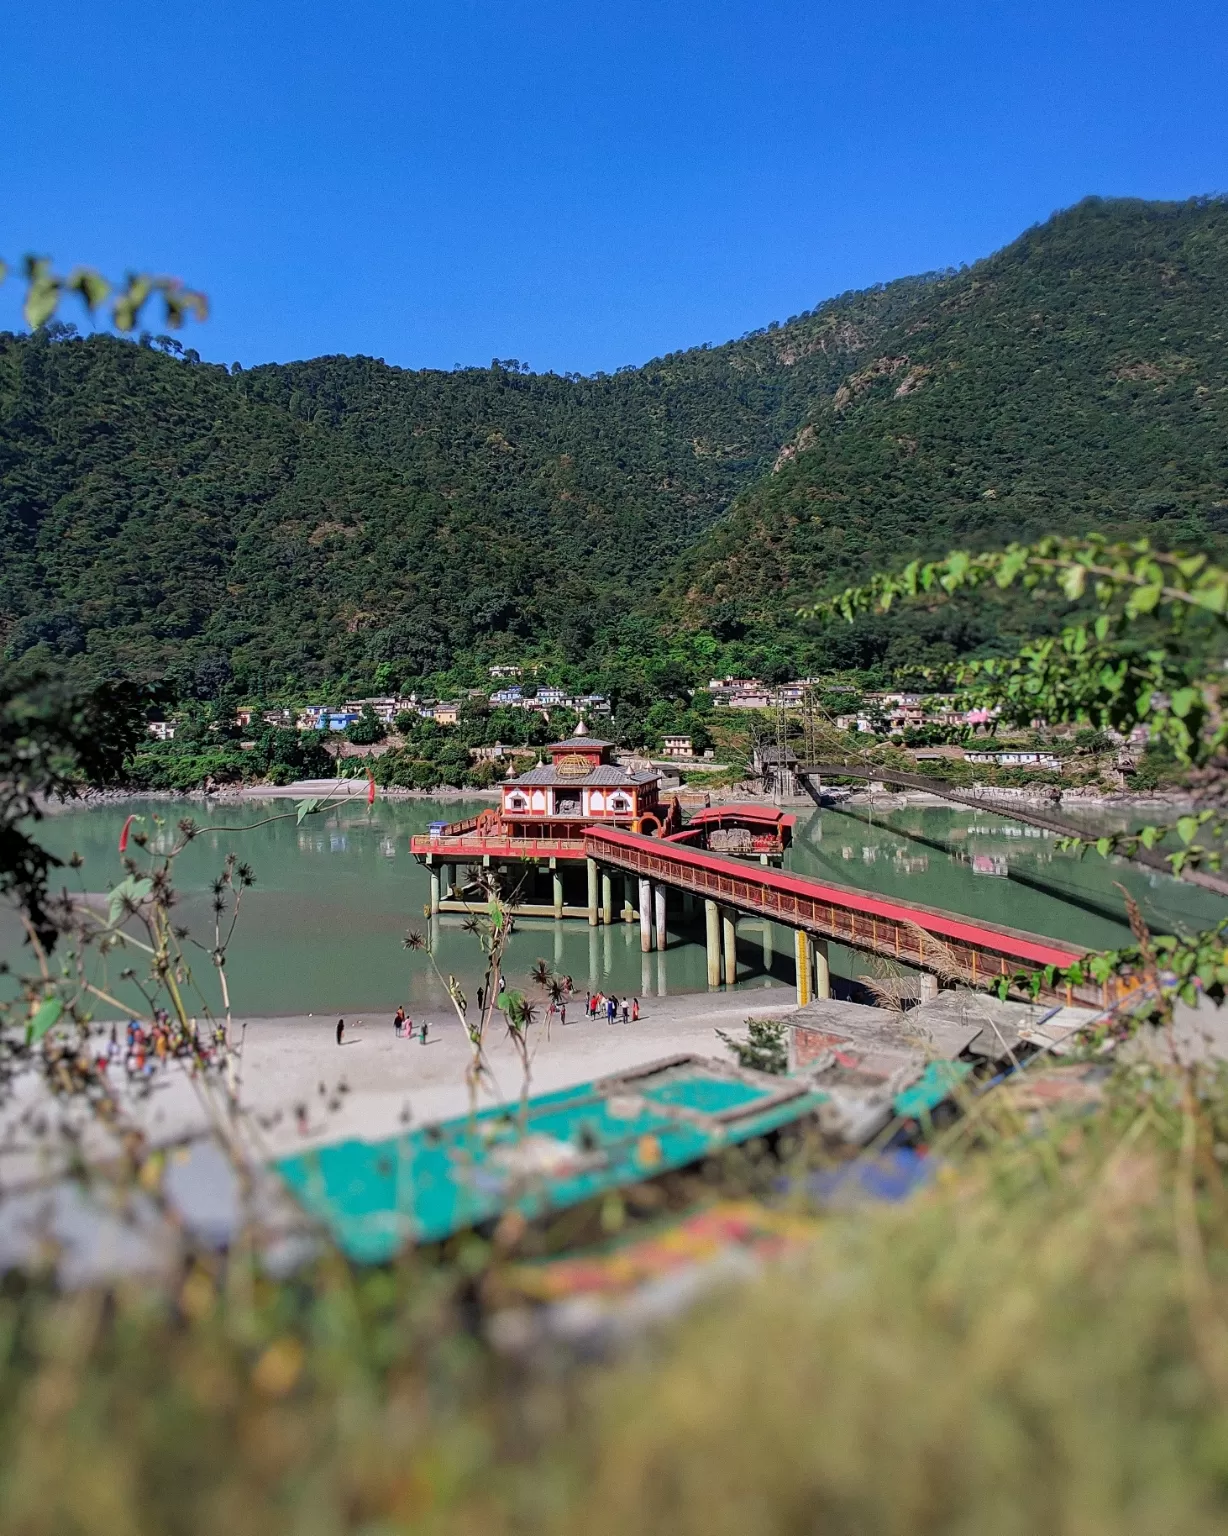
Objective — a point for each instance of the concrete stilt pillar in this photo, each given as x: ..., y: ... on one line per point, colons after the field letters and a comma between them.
x: 929, y: 987
x: 659, y: 903
x: 607, y: 898
x: 594, y: 959
x: 591, y: 870
x: 767, y: 945
x: 447, y: 880
x: 729, y: 944
x: 558, y: 946
x: 822, y: 970
x: 645, y: 905
x: 712, y: 924
x: 434, y: 890
x: 661, y: 988
x: 628, y: 890
x: 801, y: 964
x: 557, y: 892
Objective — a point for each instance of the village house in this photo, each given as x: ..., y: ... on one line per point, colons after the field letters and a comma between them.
x: 677, y: 746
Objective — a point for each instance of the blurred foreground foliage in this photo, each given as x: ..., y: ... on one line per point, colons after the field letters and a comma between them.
x: 1037, y: 1342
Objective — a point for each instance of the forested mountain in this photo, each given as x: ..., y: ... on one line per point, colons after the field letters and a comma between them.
x: 343, y: 522
x: 1076, y: 380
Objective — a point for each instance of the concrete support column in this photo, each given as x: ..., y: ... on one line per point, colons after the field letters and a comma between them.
x: 767, y: 945
x: 594, y: 958
x: 712, y: 925
x: 729, y: 943
x: 659, y: 903
x: 661, y: 988
x: 628, y: 890
x: 591, y: 870
x: 607, y: 898
x: 447, y: 880
x: 556, y: 880
x: 822, y: 970
x: 801, y: 964
x: 929, y: 987
x: 434, y: 890
x: 645, y: 905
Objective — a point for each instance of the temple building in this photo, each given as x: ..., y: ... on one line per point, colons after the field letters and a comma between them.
x: 580, y: 785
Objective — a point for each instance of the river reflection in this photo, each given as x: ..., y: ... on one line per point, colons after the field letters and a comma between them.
x: 322, y: 930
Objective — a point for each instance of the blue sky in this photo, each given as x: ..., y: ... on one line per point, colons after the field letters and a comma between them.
x: 578, y: 185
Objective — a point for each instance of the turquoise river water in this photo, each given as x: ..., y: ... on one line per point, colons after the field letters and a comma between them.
x: 322, y: 930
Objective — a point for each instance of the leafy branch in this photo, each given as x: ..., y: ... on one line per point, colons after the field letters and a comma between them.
x: 46, y: 289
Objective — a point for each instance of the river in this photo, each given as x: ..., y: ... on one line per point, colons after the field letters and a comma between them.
x: 321, y: 931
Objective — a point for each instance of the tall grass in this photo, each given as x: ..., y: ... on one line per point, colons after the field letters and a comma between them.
x: 1036, y: 1344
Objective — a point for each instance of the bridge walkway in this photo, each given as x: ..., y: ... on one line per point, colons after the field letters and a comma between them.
x: 941, y: 943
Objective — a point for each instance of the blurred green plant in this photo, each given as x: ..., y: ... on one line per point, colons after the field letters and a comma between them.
x: 46, y: 289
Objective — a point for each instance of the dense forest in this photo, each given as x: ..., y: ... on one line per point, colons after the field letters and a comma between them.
x: 344, y: 525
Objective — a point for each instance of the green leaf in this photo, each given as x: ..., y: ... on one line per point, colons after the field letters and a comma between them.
x: 90, y: 285
x: 1186, y: 827
x: 1104, y: 846
x: 127, y: 892
x: 42, y: 297
x: 1072, y: 582
x: 48, y: 1013
x: 306, y: 808
x: 1183, y: 701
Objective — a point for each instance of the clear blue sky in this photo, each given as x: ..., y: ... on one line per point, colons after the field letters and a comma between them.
x: 578, y: 184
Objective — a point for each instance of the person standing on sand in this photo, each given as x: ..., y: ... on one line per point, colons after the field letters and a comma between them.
x: 563, y: 1012
x: 398, y: 1021
x: 422, y: 1033
x: 635, y: 1010
x: 340, y: 1030
x: 626, y: 1011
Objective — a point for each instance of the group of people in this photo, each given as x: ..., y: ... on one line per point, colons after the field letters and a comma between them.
x: 599, y: 1004
x: 402, y: 1024
x: 147, y: 1046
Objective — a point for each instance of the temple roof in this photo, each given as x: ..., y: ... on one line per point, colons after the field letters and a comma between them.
x: 580, y: 742
x: 599, y: 775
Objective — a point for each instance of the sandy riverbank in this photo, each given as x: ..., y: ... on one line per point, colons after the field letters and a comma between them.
x: 375, y: 1084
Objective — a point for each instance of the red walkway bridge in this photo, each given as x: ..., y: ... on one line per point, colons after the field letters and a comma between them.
x: 961, y: 948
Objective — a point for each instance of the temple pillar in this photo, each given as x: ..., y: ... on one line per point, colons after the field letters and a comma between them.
x: 767, y: 945
x: 645, y: 915
x: 607, y: 898
x: 729, y: 944
x: 591, y: 870
x: 659, y: 901
x: 801, y: 965
x: 929, y: 987
x: 822, y: 969
x: 557, y: 891
x: 712, y: 925
x: 434, y: 873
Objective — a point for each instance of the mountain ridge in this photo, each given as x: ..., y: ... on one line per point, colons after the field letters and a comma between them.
x: 344, y: 522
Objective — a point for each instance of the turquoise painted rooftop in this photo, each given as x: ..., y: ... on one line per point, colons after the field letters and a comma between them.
x: 378, y: 1197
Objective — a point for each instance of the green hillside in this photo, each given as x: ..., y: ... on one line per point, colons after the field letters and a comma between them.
x: 1078, y: 379
x: 341, y: 522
